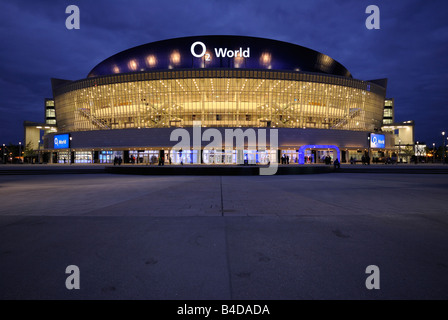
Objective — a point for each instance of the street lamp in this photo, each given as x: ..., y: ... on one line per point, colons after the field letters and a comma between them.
x: 38, y: 152
x: 70, y: 153
x: 368, y: 155
x: 20, y: 151
x: 446, y: 145
x: 443, y: 147
x: 417, y: 151
x: 399, y: 150
x: 3, y: 153
x: 433, y: 151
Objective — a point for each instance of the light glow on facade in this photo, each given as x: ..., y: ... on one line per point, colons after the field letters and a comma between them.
x: 219, y: 98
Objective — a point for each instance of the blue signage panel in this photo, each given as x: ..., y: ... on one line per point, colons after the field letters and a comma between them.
x: 377, y: 140
x: 61, y: 141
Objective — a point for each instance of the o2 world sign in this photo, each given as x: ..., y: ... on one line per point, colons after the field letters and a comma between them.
x: 219, y: 52
x: 377, y: 140
x: 61, y: 141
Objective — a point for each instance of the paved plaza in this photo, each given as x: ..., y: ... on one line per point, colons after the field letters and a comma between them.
x: 224, y: 237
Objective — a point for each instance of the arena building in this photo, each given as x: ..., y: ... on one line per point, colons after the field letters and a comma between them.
x: 130, y: 103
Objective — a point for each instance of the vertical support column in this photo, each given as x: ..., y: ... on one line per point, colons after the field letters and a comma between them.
x: 369, y: 154
x: 162, y: 156
x: 237, y: 102
x: 203, y: 109
x: 239, y: 156
x: 197, y: 144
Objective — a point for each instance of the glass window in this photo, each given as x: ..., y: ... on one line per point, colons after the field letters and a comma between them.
x: 247, y: 99
x: 50, y: 113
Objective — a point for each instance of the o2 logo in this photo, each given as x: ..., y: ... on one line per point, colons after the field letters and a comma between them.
x: 377, y: 140
x: 219, y: 52
x: 61, y: 141
x: 203, y: 52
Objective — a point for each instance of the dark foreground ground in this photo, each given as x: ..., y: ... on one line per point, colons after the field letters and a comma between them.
x: 224, y: 237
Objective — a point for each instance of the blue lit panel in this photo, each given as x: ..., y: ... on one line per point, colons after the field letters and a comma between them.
x: 61, y: 141
x: 377, y: 140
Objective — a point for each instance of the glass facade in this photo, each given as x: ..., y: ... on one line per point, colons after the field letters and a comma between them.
x: 184, y: 157
x: 145, y: 156
x: 49, y: 102
x: 388, y: 115
x: 50, y: 112
x: 388, y: 103
x: 219, y: 98
x: 108, y: 156
x: 293, y: 155
x: 83, y: 157
x: 63, y: 157
x: 235, y: 156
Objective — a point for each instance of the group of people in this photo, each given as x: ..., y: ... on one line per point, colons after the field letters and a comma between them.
x: 365, y: 159
x: 285, y: 159
x: 118, y: 160
x: 336, y: 163
x: 308, y: 159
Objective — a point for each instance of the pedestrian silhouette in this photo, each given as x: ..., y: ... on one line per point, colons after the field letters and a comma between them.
x: 336, y: 164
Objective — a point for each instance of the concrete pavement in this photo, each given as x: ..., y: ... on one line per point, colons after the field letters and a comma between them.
x: 224, y: 237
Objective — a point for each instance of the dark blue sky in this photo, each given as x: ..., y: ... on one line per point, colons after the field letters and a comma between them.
x: 410, y: 49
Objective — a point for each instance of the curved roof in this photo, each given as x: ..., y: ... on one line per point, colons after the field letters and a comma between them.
x: 220, y: 52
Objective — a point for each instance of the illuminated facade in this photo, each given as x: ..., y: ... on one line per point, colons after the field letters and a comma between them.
x: 220, y: 98
x: 223, y: 82
x: 388, y: 115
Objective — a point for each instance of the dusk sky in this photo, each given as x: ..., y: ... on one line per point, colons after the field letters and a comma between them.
x: 410, y: 48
